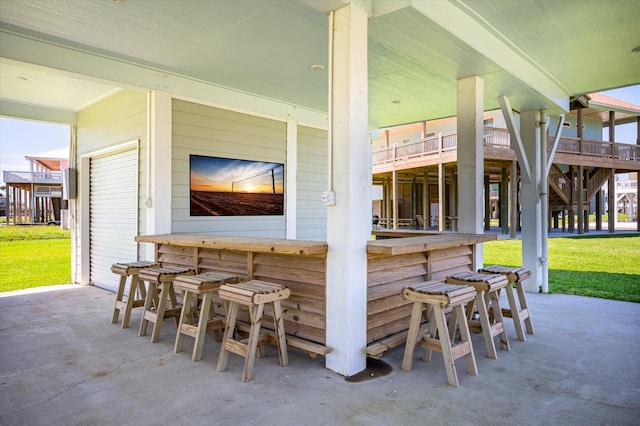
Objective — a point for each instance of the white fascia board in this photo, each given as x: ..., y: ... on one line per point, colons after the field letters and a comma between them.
x: 36, y: 112
x: 373, y: 8
x: 92, y: 66
x: 603, y: 106
x: 462, y: 23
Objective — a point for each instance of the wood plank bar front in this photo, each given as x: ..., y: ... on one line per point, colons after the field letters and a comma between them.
x: 393, y: 263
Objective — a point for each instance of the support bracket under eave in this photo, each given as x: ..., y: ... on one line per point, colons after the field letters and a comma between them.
x: 516, y: 140
x: 554, y: 146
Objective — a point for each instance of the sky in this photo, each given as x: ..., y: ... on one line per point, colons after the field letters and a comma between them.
x: 20, y: 137
x: 225, y: 175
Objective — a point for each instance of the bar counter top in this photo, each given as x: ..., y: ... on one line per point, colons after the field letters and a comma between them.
x: 249, y: 244
x: 424, y: 243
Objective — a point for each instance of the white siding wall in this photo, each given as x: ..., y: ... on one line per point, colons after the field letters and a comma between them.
x: 204, y: 130
x: 312, y: 181
x: 113, y: 121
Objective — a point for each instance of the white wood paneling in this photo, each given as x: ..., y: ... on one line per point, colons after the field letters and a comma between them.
x: 204, y: 130
x: 101, y: 127
x: 312, y: 178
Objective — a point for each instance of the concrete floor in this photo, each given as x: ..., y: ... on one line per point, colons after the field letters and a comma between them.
x: 63, y: 363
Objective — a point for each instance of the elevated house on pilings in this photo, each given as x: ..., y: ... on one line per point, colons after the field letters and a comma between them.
x: 35, y: 197
x: 405, y: 157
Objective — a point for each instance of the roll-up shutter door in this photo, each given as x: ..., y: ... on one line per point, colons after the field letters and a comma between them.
x: 113, y: 215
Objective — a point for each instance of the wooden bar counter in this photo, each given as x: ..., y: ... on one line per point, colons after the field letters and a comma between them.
x: 301, y: 265
x: 399, y: 260
x: 297, y: 264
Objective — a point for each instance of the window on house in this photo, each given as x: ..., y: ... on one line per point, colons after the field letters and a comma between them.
x: 488, y: 122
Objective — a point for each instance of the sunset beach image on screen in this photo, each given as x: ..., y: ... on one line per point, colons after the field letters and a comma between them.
x: 234, y: 187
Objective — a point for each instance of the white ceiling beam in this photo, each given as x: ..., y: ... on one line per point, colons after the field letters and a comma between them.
x: 24, y: 111
x: 100, y: 68
x: 471, y: 29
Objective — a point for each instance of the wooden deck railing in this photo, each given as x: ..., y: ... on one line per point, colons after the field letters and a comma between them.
x: 499, y: 138
x: 33, y: 177
x: 433, y: 146
x: 603, y: 149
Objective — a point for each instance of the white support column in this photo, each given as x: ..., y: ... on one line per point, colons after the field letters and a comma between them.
x: 291, y: 210
x: 158, y: 156
x: 544, y: 205
x: 394, y: 197
x: 425, y: 200
x: 471, y: 159
x: 441, y: 197
x: 349, y: 220
x: 513, y: 200
x: 530, y: 201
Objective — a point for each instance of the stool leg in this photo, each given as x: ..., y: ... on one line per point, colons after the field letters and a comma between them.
x: 465, y: 336
x: 184, y: 317
x: 162, y: 306
x: 130, y: 301
x: 412, y: 336
x: 486, y: 325
x: 203, y: 320
x: 278, y: 323
x: 432, y: 329
x: 445, y: 344
x: 252, y: 344
x: 217, y: 334
x: 525, y: 307
x: 174, y: 301
x: 119, y: 294
x: 229, y: 330
x: 499, y: 321
x: 513, y: 308
x: 152, y: 296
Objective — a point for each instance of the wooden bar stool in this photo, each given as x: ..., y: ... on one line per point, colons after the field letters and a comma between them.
x: 254, y: 295
x: 203, y: 286
x: 515, y: 276
x: 160, y: 279
x: 440, y: 296
x: 487, y: 301
x: 125, y: 270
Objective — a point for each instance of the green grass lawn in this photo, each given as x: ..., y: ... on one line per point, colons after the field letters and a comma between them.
x: 34, y: 256
x: 606, y: 266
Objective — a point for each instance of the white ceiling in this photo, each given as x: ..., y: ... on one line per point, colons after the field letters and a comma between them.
x: 539, y: 53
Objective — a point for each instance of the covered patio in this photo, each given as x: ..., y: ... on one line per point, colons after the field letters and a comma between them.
x: 303, y: 84
x: 63, y: 362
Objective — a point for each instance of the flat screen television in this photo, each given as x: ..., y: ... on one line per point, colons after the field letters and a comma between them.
x: 232, y: 187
